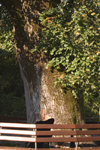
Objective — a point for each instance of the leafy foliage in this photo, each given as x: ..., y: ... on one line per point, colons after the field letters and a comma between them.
x: 71, y: 36
x: 12, y: 101
x: 6, y: 32
x: 92, y: 107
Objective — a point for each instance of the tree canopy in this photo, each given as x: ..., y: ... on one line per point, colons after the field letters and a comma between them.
x: 71, y: 36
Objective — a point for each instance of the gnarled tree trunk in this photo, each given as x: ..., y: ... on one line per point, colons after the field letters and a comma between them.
x: 40, y: 93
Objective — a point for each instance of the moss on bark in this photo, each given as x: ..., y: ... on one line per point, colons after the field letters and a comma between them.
x: 59, y: 103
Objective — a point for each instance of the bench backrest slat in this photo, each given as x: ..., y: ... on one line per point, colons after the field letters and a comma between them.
x: 87, y: 126
x: 57, y: 139
x: 61, y: 139
x: 41, y: 133
x: 18, y: 125
x: 85, y: 132
x: 68, y: 126
x: 17, y: 132
x: 87, y: 139
x: 50, y: 126
x: 20, y: 139
x: 26, y: 132
x: 68, y: 139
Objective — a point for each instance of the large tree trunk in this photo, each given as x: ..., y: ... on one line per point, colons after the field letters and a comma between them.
x: 42, y: 98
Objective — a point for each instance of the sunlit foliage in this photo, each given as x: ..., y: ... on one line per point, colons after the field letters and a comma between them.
x: 71, y: 36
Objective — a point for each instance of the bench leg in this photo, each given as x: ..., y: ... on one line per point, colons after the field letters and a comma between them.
x: 35, y: 146
x: 75, y: 142
x: 76, y: 145
x: 0, y: 128
x: 35, y: 140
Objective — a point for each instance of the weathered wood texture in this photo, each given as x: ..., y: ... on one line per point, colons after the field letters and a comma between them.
x: 60, y: 133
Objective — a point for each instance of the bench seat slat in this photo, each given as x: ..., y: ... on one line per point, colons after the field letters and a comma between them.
x: 20, y: 139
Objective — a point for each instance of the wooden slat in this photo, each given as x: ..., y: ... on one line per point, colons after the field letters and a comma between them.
x: 67, y: 126
x: 68, y: 139
x: 13, y: 119
x: 18, y: 125
x: 57, y: 139
x: 31, y: 139
x: 17, y: 132
x: 87, y: 126
x: 50, y: 126
x: 87, y: 139
x: 55, y: 126
x: 87, y: 132
x: 47, y: 133
x: 20, y: 139
x: 55, y: 133
x: 42, y: 133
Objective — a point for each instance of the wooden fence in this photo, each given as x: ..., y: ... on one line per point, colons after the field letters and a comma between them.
x: 13, y: 119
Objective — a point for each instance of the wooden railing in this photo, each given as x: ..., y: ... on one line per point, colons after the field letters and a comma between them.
x: 13, y: 119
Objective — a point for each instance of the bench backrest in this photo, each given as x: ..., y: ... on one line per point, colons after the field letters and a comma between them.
x: 60, y: 133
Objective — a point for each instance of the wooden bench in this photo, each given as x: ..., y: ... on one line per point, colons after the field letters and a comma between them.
x: 61, y: 132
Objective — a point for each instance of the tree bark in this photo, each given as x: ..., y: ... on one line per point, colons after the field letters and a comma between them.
x: 40, y: 93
